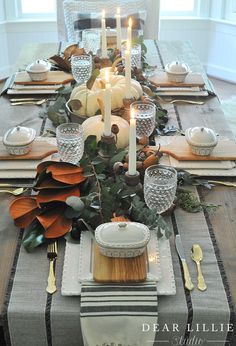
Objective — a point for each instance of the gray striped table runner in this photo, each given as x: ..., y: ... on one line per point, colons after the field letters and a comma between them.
x: 34, y: 318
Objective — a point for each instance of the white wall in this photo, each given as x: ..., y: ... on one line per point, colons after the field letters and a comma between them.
x: 221, y: 60
x: 214, y: 41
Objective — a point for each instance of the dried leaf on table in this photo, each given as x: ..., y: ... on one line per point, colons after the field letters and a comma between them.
x: 48, y: 217
x: 21, y: 206
x: 71, y: 179
x: 62, y: 168
x: 49, y: 183
x: 62, y: 63
x: 59, y: 228
x: 47, y: 196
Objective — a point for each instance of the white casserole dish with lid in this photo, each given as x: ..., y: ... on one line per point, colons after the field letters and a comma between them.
x: 122, y: 239
x: 202, y: 140
x: 38, y: 70
x: 177, y: 71
x: 18, y: 140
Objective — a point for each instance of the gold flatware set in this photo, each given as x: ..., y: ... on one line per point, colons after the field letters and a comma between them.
x: 27, y: 101
x: 197, y: 257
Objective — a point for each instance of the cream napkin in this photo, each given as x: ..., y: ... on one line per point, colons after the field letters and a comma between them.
x: 113, y: 314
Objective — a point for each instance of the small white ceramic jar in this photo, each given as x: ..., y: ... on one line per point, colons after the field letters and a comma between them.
x: 202, y: 140
x: 177, y: 71
x: 18, y: 140
x: 38, y: 70
x: 122, y: 239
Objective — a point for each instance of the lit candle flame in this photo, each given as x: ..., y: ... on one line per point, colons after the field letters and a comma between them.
x: 118, y: 10
x: 130, y: 22
x: 107, y: 75
x: 103, y: 14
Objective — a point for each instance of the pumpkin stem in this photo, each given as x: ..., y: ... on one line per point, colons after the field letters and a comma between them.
x: 102, y: 107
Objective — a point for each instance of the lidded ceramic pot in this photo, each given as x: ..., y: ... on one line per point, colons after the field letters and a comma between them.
x: 38, y: 70
x: 202, y: 140
x: 177, y: 71
x: 122, y: 239
x: 18, y: 140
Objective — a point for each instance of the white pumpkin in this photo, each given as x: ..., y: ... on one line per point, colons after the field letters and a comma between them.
x: 88, y: 98
x: 95, y: 126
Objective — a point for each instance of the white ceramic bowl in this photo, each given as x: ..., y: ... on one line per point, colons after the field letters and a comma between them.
x: 177, y: 71
x: 38, y: 70
x: 122, y: 239
x: 202, y: 140
x: 18, y: 140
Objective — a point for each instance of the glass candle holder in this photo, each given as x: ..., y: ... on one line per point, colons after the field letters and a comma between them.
x: 81, y: 67
x: 160, y: 183
x: 91, y: 40
x: 145, y: 114
x: 70, y: 142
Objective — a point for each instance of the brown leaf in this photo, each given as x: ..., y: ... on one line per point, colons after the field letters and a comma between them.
x: 62, y: 63
x: 46, y: 196
x: 50, y: 183
x: 71, y: 179
x: 25, y: 220
x: 21, y: 206
x: 43, y: 165
x: 48, y: 217
x: 62, y: 168
x: 60, y: 227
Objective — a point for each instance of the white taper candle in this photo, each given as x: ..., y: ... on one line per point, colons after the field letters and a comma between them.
x: 104, y: 36
x: 132, y: 144
x: 118, y: 29
x: 107, y: 106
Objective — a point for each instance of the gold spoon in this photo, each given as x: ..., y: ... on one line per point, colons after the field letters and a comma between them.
x: 15, y: 192
x: 38, y: 103
x: 197, y: 256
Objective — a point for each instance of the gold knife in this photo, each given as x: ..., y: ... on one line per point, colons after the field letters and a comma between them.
x: 179, y: 247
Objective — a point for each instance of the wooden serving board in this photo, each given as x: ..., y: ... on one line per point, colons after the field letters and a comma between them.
x: 54, y: 77
x: 114, y: 269
x: 180, y: 150
x: 40, y: 150
x: 193, y: 79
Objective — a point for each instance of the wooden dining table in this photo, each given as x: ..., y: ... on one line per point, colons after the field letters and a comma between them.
x: 221, y: 224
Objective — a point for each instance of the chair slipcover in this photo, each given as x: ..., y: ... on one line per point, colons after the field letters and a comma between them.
x: 151, y: 29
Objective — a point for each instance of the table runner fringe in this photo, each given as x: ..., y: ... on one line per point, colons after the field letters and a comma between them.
x: 9, y: 289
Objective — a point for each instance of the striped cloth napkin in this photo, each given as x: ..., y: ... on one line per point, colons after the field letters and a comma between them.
x: 113, y: 315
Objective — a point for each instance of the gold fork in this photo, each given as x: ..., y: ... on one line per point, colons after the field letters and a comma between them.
x: 52, y: 255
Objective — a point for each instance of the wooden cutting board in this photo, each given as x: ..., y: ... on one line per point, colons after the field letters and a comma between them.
x: 193, y: 79
x: 54, y: 77
x: 40, y: 150
x: 114, y: 269
x: 180, y: 150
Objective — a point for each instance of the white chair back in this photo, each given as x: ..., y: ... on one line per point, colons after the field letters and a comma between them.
x: 67, y: 9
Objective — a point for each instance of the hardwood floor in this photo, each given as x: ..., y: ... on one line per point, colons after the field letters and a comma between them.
x: 224, y: 90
